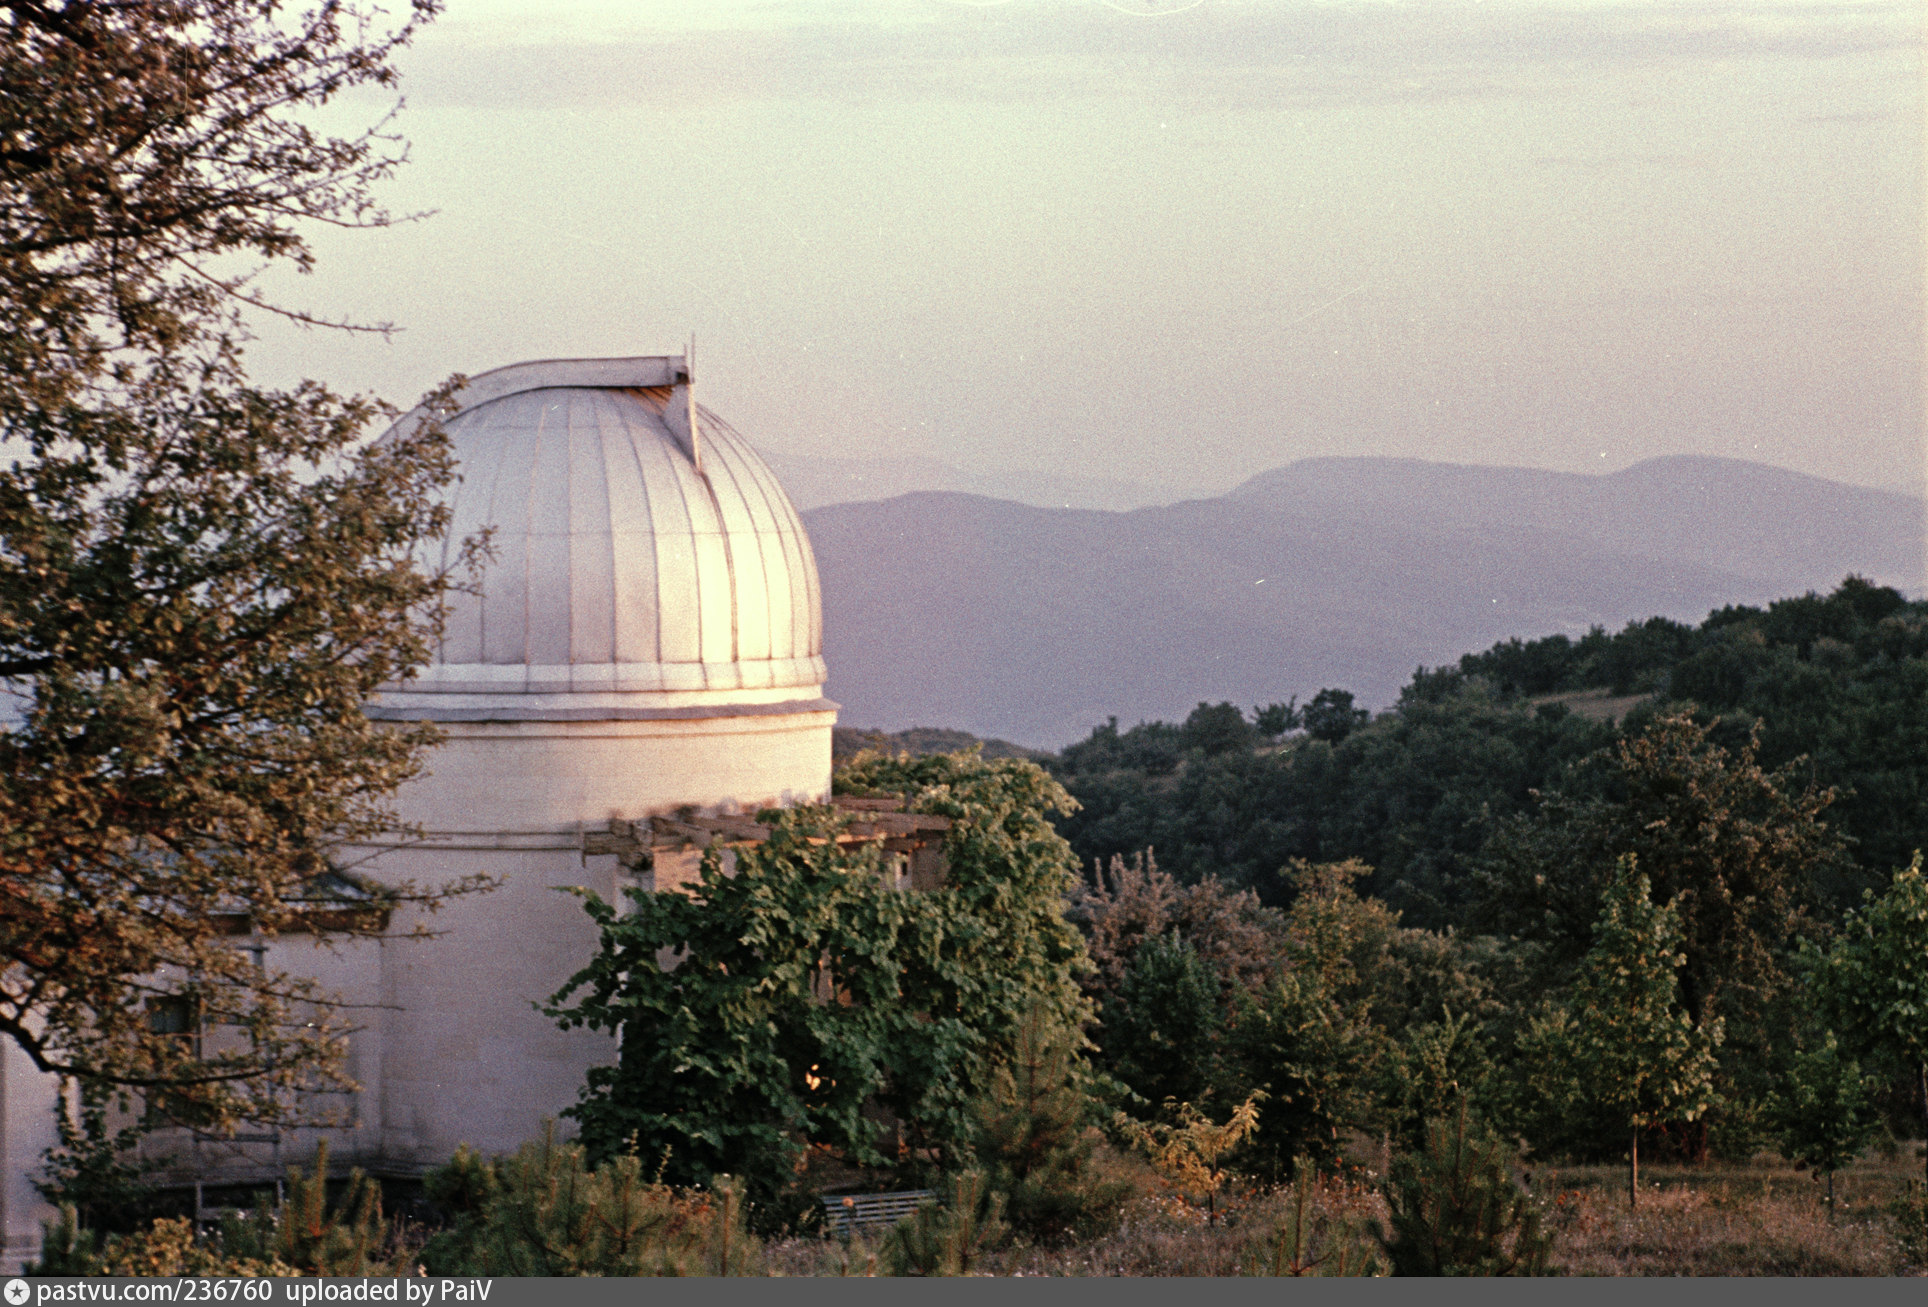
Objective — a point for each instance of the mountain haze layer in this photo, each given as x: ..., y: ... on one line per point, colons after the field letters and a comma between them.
x: 813, y: 481
x: 1035, y: 624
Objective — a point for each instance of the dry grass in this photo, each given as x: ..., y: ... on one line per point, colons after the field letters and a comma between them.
x: 1760, y: 1218
x: 1160, y: 1235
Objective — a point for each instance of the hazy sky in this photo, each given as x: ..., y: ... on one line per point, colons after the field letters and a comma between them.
x: 1177, y: 247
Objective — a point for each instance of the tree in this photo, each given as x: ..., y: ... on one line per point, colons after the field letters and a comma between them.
x: 1160, y: 1031
x: 1330, y: 716
x: 1217, y: 728
x: 804, y: 997
x: 1275, y: 719
x: 1190, y: 1150
x: 201, y: 581
x: 1733, y: 849
x: 149, y: 152
x: 1622, y: 1038
x: 1035, y: 1138
x: 1133, y: 902
x: 1872, y: 981
x: 1822, y: 1111
x: 1438, y: 1067
x: 1306, y: 1040
x: 1311, y: 1058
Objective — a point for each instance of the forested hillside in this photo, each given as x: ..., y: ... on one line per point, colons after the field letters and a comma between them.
x: 1832, y: 690
x: 1034, y: 624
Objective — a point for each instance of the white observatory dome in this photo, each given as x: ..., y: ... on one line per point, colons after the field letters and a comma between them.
x: 645, y: 560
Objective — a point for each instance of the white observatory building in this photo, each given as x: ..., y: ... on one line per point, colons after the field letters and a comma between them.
x: 648, y: 638
x: 647, y: 641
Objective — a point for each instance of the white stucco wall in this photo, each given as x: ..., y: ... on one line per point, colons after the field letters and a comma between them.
x: 27, y: 1099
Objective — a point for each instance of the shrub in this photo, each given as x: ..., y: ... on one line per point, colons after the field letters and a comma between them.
x: 947, y: 1239
x: 1191, y: 1152
x: 303, y: 1232
x: 1456, y: 1211
x: 547, y: 1212
x: 301, y: 1235
x: 1823, y: 1113
x: 94, y: 1167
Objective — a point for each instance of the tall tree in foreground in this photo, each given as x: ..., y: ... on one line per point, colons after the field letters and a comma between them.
x: 201, y: 580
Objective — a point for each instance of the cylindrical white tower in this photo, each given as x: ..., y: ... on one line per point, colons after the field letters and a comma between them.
x: 648, y: 636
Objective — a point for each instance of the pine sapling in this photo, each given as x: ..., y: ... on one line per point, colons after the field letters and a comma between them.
x: 1456, y: 1211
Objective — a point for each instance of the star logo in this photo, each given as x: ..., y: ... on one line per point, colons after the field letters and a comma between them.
x: 17, y: 1292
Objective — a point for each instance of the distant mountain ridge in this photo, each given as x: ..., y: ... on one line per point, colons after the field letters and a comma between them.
x: 814, y: 481
x: 1726, y: 513
x: 1034, y: 624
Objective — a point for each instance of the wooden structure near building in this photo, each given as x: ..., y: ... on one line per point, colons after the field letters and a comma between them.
x: 666, y: 853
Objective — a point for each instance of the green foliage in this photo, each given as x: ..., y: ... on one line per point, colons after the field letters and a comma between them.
x: 547, y: 1212
x: 1330, y: 716
x: 92, y: 1167
x: 1639, y: 1052
x: 1620, y: 1048
x: 168, y: 1247
x: 1133, y: 902
x: 1034, y: 1138
x: 1872, y: 980
x: 301, y: 1235
x: 1734, y: 849
x: 66, y: 1247
x: 1160, y: 1031
x: 1275, y: 719
x: 1008, y: 874
x: 1822, y: 1112
x: 1308, y: 1240
x: 806, y: 992
x: 1213, y: 729
x: 1413, y: 794
x: 202, y: 580
x: 947, y: 1238
x: 1310, y: 1057
x: 1838, y: 680
x: 1436, y: 1065
x: 1456, y: 1211
x: 1306, y: 1041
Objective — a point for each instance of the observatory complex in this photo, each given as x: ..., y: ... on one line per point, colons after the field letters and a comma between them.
x: 646, y: 642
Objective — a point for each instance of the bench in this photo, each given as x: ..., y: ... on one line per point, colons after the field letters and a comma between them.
x: 848, y: 1214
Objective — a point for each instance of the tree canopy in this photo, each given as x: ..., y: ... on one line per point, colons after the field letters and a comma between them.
x: 201, y: 580
x: 789, y: 998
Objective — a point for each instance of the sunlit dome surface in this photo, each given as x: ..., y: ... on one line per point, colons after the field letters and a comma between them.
x: 627, y: 558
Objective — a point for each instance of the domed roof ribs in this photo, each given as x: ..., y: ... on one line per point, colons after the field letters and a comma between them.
x: 620, y: 566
